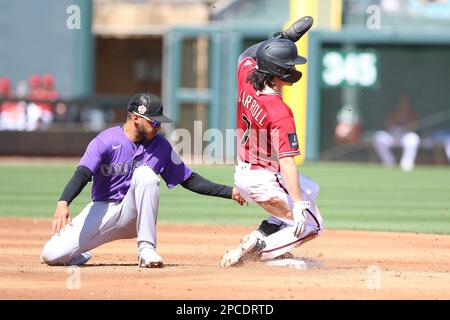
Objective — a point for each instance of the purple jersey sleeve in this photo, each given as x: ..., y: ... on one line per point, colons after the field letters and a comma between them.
x: 93, y: 156
x: 175, y: 171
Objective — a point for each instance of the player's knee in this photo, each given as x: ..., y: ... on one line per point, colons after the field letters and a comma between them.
x: 146, y: 175
x: 54, y: 253
x: 266, y: 228
x: 411, y: 139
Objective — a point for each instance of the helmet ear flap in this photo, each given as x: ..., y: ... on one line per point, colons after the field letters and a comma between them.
x: 292, y: 76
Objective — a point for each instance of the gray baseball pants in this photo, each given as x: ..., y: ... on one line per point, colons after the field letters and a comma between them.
x: 104, y: 221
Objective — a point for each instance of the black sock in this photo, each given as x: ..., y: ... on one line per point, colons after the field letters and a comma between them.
x: 267, y: 228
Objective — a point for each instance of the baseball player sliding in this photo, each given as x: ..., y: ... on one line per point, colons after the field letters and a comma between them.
x: 266, y: 172
x: 124, y: 162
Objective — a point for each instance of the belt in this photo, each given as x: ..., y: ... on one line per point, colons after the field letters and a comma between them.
x: 250, y: 166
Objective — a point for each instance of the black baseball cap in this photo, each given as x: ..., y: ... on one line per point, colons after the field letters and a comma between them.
x: 148, y: 106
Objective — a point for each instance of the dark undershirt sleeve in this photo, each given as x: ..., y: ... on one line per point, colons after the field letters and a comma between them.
x: 198, y: 184
x: 79, y: 180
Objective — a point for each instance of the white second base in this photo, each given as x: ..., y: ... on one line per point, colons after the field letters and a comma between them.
x: 293, y: 263
x: 301, y: 264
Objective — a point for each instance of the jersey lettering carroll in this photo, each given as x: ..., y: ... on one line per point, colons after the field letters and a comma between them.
x: 113, y: 166
x: 265, y: 124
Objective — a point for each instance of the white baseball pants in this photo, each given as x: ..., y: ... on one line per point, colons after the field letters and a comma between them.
x: 383, y: 141
x: 263, y: 184
x: 102, y: 221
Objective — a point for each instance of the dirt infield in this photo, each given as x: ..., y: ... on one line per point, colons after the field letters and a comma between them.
x: 411, y: 266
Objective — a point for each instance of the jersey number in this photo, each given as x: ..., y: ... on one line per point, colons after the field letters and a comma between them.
x: 246, y: 135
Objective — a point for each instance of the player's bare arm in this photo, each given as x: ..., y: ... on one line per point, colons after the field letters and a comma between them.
x: 278, y: 207
x: 289, y: 172
x: 291, y: 179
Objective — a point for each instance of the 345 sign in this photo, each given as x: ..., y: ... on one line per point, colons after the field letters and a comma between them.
x: 350, y: 68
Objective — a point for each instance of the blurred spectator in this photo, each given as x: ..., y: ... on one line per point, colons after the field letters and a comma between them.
x: 12, y: 114
x: 95, y: 118
x: 59, y: 110
x: 35, y: 114
x: 439, y: 137
x: 39, y: 114
x: 443, y: 137
x: 400, y: 125
x: 33, y: 110
x: 61, y: 113
x: 34, y: 84
x: 5, y: 87
x: 348, y: 127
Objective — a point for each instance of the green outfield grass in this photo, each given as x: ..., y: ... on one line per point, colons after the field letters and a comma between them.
x: 353, y: 196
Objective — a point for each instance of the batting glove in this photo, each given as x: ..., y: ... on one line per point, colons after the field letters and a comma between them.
x: 299, y: 213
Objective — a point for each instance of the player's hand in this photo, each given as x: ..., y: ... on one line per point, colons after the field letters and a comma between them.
x: 236, y: 196
x: 299, y: 214
x: 61, y: 217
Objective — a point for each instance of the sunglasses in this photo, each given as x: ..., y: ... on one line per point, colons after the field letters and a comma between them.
x: 155, y: 123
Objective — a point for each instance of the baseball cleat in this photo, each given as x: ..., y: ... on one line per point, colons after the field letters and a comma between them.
x: 79, y: 260
x: 231, y: 258
x: 249, y: 248
x: 148, y: 258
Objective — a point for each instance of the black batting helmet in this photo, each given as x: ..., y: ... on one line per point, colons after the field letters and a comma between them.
x: 278, y: 57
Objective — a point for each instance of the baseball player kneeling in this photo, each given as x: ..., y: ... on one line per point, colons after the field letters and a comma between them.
x: 124, y: 162
x: 266, y: 172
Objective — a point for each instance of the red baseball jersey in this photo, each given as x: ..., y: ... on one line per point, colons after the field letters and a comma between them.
x: 265, y: 124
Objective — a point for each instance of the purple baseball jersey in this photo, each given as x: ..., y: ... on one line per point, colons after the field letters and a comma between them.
x: 112, y: 158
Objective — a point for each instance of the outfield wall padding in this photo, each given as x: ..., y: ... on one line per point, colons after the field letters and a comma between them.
x: 44, y: 143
